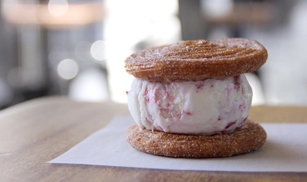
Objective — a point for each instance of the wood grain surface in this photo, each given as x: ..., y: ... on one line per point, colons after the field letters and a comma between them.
x: 34, y: 132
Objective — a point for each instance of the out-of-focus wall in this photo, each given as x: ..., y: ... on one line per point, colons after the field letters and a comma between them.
x: 77, y: 48
x: 54, y: 46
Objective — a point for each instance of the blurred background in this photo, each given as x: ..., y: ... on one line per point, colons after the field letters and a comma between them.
x: 77, y: 48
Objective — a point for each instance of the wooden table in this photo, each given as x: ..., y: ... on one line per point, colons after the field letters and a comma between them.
x: 34, y: 132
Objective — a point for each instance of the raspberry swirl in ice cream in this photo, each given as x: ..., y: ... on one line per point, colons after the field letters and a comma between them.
x: 195, y: 107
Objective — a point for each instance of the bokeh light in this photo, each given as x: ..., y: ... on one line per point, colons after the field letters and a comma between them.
x: 98, y: 50
x: 68, y: 69
x: 57, y: 8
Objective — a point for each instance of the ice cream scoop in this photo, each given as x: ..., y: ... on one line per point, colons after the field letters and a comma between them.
x: 206, y: 107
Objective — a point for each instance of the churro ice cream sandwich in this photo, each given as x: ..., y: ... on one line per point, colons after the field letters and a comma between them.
x: 191, y: 99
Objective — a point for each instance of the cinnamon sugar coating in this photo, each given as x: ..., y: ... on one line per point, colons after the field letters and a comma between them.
x: 197, y: 60
x: 243, y: 140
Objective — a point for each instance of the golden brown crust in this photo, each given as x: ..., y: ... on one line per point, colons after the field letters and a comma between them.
x: 243, y: 140
x: 197, y: 60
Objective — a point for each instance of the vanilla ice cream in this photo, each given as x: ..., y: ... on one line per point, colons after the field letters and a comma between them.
x: 202, y: 107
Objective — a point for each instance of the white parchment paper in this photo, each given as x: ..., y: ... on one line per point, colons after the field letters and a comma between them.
x: 284, y: 151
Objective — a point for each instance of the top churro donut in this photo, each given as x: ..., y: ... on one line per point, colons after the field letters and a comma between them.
x: 197, y: 60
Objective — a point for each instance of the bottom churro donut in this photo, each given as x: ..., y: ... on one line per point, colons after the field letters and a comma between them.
x: 249, y: 137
